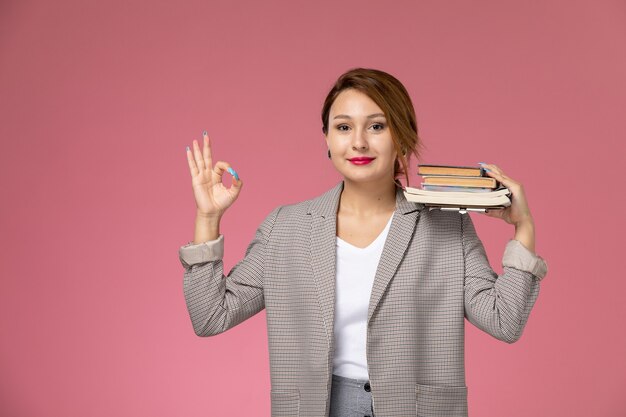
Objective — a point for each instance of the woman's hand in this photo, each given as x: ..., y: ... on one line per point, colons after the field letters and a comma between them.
x: 212, y: 198
x: 518, y: 212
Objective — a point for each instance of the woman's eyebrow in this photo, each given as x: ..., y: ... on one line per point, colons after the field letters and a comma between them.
x: 345, y: 116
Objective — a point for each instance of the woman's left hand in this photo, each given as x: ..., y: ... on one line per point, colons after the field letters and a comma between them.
x: 518, y: 212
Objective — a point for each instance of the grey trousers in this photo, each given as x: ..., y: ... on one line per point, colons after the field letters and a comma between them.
x: 350, y: 398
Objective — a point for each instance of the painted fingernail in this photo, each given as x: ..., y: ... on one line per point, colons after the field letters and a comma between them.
x: 187, y: 148
x: 204, y: 133
x: 481, y: 163
x: 233, y: 173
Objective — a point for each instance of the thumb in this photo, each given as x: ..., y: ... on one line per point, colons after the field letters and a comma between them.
x: 493, y: 213
x: 236, y: 185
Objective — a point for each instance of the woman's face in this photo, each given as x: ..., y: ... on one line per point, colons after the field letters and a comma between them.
x: 357, y: 128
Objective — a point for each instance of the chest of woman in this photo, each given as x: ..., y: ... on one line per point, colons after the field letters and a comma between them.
x: 421, y: 264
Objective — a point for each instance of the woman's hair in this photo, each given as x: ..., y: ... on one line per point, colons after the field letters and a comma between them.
x: 391, y: 96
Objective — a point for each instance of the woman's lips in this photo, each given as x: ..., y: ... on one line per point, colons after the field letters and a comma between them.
x: 361, y: 161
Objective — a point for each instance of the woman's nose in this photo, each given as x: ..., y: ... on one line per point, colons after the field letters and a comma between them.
x: 359, y: 140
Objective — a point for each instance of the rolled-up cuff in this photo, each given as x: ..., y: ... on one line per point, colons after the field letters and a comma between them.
x: 211, y: 250
x: 517, y: 256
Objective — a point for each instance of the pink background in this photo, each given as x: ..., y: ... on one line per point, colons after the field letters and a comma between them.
x: 99, y: 99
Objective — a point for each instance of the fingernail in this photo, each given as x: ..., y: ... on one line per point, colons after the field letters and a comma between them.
x: 481, y: 163
x: 204, y: 133
x: 233, y: 173
x: 488, y: 170
x: 187, y: 147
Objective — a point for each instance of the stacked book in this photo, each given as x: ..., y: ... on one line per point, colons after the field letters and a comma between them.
x: 461, y: 188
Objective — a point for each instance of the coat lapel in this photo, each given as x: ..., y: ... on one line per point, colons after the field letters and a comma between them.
x: 323, y: 210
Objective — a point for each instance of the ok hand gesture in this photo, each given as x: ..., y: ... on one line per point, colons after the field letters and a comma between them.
x: 212, y: 197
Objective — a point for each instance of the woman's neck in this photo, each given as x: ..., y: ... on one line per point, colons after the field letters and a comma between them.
x: 366, y: 199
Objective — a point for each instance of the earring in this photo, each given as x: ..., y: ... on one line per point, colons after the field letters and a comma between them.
x: 329, y: 154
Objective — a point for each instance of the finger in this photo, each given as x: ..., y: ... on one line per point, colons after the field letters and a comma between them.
x: 506, y: 181
x: 236, y: 186
x: 207, y: 151
x: 218, y: 170
x: 193, y: 168
x: 497, y: 170
x: 497, y: 213
x: 500, y: 172
x: 225, y: 167
x: 198, y: 156
x: 492, y: 167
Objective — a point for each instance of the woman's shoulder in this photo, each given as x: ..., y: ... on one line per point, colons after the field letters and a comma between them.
x: 292, y: 211
x: 441, y: 220
x: 287, y: 211
x: 323, y: 204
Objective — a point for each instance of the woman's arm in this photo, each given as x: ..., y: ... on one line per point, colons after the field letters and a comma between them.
x: 525, y: 233
x: 500, y: 305
x: 207, y: 228
x: 216, y: 302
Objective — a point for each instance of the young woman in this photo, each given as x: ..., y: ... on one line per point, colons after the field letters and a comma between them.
x: 365, y: 293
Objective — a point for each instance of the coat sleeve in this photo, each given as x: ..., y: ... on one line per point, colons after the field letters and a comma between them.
x: 216, y: 302
x: 499, y: 305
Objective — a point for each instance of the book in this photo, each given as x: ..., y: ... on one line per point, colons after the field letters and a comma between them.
x: 483, y: 200
x: 462, y: 194
x: 462, y: 181
x: 465, y: 171
x: 462, y: 188
x: 455, y: 188
x: 460, y: 209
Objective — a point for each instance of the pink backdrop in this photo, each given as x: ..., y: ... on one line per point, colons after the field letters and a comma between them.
x: 99, y: 99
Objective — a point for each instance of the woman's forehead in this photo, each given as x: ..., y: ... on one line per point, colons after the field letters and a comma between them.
x: 352, y: 103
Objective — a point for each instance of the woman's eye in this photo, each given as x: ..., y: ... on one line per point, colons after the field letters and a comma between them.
x: 375, y: 126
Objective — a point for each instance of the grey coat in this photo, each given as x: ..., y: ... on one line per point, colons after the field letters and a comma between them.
x: 433, y: 273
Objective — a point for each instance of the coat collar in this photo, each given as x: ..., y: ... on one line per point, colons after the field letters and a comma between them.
x: 324, y: 250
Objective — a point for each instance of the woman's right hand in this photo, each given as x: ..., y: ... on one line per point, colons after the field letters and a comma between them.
x: 212, y: 198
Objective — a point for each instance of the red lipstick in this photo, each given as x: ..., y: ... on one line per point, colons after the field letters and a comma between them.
x: 361, y: 160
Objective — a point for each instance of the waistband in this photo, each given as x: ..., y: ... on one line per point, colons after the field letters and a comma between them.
x: 351, y: 382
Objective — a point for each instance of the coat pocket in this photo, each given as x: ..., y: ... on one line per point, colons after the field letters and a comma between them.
x: 285, y: 402
x: 440, y: 401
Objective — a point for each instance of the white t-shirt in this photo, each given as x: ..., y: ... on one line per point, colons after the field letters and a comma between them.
x: 356, y: 268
